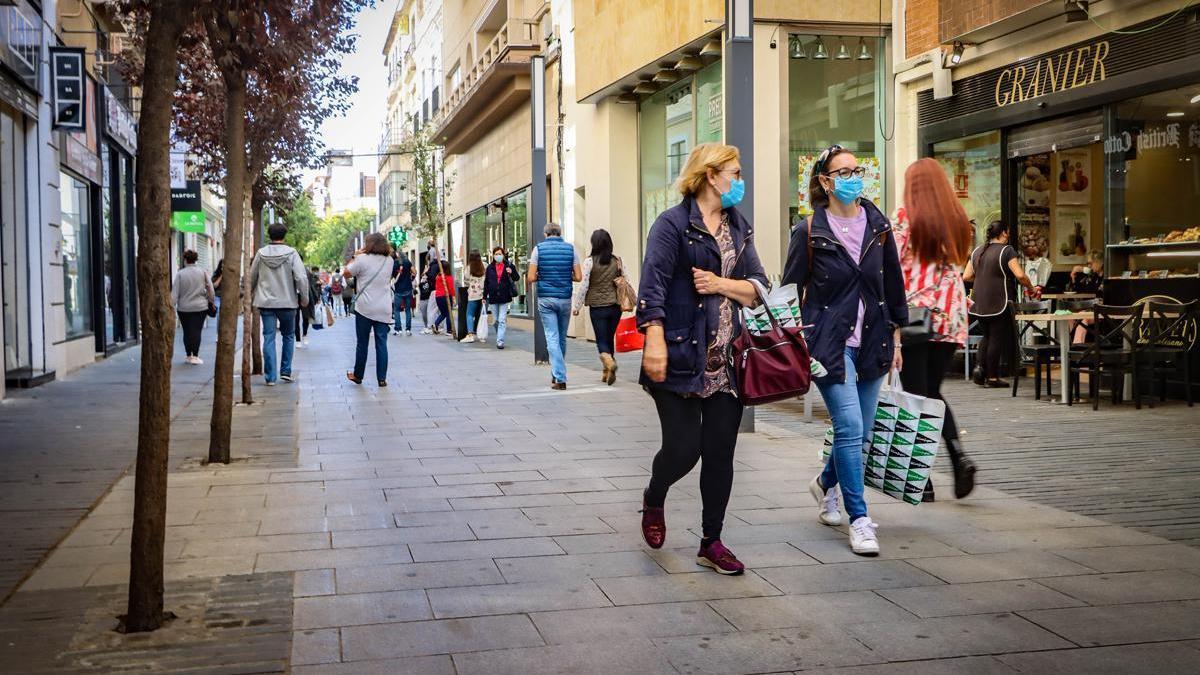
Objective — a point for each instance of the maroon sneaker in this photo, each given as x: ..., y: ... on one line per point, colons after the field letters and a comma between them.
x: 721, y: 559
x: 654, y: 525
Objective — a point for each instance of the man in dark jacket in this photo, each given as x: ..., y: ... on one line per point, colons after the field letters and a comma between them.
x: 402, y: 287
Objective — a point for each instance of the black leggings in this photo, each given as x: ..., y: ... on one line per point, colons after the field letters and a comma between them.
x: 193, y: 326
x: 604, y: 322
x: 303, y: 320
x: 997, y: 341
x: 925, y: 367
x: 695, y: 429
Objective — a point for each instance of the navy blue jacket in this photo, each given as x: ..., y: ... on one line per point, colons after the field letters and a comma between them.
x: 678, y: 242
x: 833, y: 285
x: 502, y: 289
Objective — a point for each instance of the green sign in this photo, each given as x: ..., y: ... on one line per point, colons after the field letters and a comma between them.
x: 397, y: 236
x: 188, y: 221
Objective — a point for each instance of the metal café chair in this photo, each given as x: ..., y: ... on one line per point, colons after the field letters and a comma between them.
x: 1035, y: 346
x: 1164, y: 342
x: 1110, y: 355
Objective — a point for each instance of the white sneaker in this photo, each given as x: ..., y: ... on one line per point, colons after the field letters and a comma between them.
x: 305, y: 341
x: 483, y: 339
x: 408, y: 333
x: 469, y: 339
x: 299, y: 344
x: 862, y: 537
x: 196, y: 360
x: 827, y: 501
x: 424, y: 331
x: 270, y: 384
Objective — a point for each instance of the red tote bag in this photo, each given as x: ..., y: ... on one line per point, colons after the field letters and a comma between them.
x: 629, y: 339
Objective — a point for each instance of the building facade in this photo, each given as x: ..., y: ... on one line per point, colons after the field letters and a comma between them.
x: 1079, y: 130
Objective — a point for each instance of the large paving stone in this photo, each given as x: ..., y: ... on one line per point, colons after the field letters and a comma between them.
x: 360, y: 608
x: 707, y: 585
x: 961, y: 569
x: 855, y: 576
x: 496, y: 548
x: 763, y: 651
x: 977, y: 598
x: 515, y: 598
x: 1135, y: 558
x: 1122, y: 624
x: 794, y: 611
x: 754, y: 556
x: 914, y: 639
x: 1152, y: 659
x: 975, y: 665
x: 598, y: 658
x: 368, y: 579
x: 579, y: 566
x: 1122, y: 587
x: 416, y: 665
x: 631, y: 622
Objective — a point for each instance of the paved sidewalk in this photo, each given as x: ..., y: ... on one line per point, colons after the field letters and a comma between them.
x: 467, y: 519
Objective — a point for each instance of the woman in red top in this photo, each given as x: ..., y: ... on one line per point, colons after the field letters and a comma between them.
x: 443, y: 292
x: 933, y: 237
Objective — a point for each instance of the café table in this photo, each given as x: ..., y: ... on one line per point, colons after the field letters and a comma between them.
x: 1063, y: 334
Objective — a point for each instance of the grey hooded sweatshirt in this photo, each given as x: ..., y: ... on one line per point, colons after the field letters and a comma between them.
x: 275, y: 275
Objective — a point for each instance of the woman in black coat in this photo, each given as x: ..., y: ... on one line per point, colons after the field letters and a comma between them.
x: 499, y: 289
x: 844, y: 258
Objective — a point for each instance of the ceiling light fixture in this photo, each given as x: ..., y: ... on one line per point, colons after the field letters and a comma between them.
x: 645, y: 87
x: 864, y: 54
x: 843, y: 54
x: 666, y: 76
x: 795, y: 48
x: 821, y: 54
x: 628, y: 97
x: 689, y: 64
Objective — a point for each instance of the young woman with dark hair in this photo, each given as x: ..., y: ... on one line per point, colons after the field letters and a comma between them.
x: 443, y: 293
x: 475, y: 276
x: 934, y: 239
x: 499, y: 289
x: 993, y: 267
x: 598, y: 292
x: 844, y: 258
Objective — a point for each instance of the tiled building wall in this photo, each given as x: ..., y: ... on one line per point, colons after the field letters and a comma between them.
x: 960, y: 16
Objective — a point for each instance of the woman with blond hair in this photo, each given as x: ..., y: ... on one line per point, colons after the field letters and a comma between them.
x: 934, y: 236
x: 699, y: 263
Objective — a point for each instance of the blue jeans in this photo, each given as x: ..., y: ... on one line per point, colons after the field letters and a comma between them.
x: 402, y: 302
x: 556, y: 313
x: 500, y: 311
x: 363, y: 327
x: 851, y: 405
x: 283, y: 320
x: 473, y: 307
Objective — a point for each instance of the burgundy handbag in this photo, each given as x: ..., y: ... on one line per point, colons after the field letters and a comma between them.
x: 773, y: 366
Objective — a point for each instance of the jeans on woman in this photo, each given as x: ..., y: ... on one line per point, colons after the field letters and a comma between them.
x: 697, y: 430
x: 500, y: 311
x: 998, y: 340
x: 363, y: 327
x: 443, y: 308
x: 604, y: 322
x: 925, y: 366
x: 473, y: 307
x: 851, y: 405
x: 193, y: 326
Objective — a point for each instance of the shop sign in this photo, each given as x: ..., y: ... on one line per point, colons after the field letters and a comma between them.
x: 188, y: 221
x: 1075, y: 67
x: 1129, y: 141
x: 77, y: 156
x: 186, y: 198
x: 21, y: 41
x: 66, y: 84
x: 119, y: 123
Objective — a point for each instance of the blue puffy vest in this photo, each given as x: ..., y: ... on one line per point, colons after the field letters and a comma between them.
x: 555, y: 263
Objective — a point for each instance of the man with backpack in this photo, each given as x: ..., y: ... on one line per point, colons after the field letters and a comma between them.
x: 278, y: 284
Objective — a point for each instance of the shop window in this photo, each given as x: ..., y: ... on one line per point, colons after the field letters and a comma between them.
x: 836, y: 95
x: 76, y: 255
x: 973, y: 165
x: 516, y: 240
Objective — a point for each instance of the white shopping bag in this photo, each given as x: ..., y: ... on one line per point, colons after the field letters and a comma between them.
x: 784, y: 304
x: 481, y: 330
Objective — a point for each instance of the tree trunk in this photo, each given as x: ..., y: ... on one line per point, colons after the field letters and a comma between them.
x: 248, y: 314
x: 231, y: 281
x: 257, y: 197
x: 167, y: 22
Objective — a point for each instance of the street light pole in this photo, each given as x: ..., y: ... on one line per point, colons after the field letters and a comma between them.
x: 739, y: 109
x: 537, y: 190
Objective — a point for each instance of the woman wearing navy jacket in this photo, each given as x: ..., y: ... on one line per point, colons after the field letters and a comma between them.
x: 699, y: 257
x: 845, y: 259
x: 499, y: 289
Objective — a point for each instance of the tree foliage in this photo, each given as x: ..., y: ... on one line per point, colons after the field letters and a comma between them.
x: 328, y: 248
x: 302, y: 223
x: 429, y: 183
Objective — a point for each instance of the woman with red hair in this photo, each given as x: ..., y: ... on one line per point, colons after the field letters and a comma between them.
x: 934, y: 237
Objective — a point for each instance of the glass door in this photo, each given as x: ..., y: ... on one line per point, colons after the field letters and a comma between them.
x: 516, y: 242
x: 13, y: 240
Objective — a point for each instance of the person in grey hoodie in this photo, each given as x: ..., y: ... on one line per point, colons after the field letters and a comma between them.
x: 193, y: 295
x: 278, y: 284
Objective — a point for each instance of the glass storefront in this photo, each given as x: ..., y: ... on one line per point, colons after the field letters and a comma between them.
x: 13, y: 238
x: 671, y: 123
x: 75, y: 200
x: 504, y: 222
x: 973, y: 166
x: 836, y: 95
x: 109, y: 224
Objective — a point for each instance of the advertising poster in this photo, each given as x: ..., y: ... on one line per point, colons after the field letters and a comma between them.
x: 1033, y: 184
x: 1072, y: 235
x: 1074, y: 176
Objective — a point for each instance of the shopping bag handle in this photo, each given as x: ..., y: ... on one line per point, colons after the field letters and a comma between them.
x: 893, y: 380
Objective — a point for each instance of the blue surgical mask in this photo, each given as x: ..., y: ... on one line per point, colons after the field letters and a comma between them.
x: 847, y: 189
x: 498, y: 258
x: 733, y: 196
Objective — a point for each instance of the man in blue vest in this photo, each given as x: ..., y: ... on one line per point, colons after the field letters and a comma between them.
x: 554, y: 265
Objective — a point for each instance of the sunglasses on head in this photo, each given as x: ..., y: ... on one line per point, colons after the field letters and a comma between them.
x: 824, y: 156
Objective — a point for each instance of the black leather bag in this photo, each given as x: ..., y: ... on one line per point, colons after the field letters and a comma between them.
x: 919, y: 328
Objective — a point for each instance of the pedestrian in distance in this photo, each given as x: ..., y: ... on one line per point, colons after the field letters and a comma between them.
x: 699, y: 263
x: 934, y: 236
x: 371, y: 267
x: 305, y: 314
x: 474, y: 277
x: 314, y: 297
x: 279, y: 287
x: 443, y: 290
x: 499, y: 289
x: 425, y: 291
x: 349, y: 290
x: 402, y: 293
x: 216, y: 284
x: 337, y: 286
x: 599, y: 293
x: 554, y: 266
x: 844, y: 258
x: 193, y: 297
x: 993, y: 267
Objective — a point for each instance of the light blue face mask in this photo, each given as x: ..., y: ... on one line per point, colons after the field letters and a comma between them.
x: 498, y: 257
x: 847, y: 189
x: 733, y: 196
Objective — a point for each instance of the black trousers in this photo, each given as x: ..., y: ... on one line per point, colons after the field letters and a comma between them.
x: 998, y: 340
x: 604, y: 322
x: 193, y: 326
x: 925, y: 366
x: 694, y: 430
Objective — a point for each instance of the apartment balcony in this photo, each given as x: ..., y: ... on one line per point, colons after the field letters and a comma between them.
x: 391, y: 141
x: 496, y: 84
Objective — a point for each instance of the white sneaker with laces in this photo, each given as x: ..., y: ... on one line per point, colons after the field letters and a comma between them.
x: 469, y: 339
x: 862, y: 537
x: 828, y: 511
x: 408, y: 333
x: 424, y: 331
x: 197, y: 361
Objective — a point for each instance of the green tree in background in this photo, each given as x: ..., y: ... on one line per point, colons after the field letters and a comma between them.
x: 302, y: 223
x: 327, y: 247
